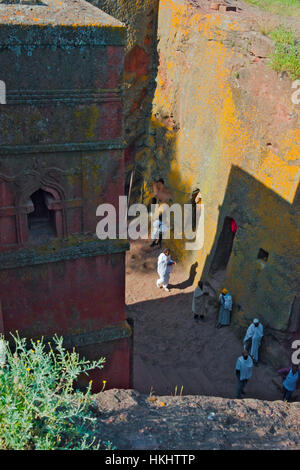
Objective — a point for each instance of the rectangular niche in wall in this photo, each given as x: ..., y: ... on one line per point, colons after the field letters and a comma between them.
x: 263, y: 255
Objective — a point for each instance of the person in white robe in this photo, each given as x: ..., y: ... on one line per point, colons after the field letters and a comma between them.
x: 243, y: 370
x: 158, y: 230
x: 254, y: 333
x: 164, y: 268
x: 199, y: 302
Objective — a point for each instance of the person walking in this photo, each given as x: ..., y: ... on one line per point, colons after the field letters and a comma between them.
x: 164, y: 268
x: 158, y: 230
x: 243, y: 370
x: 225, y: 301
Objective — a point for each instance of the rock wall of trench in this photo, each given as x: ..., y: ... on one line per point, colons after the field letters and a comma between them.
x: 140, y: 18
x: 204, y: 110
x: 224, y: 122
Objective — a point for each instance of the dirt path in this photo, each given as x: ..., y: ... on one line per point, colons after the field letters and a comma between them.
x: 172, y: 349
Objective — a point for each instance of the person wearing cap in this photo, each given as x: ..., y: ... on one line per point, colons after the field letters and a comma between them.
x: 225, y: 300
x: 254, y: 333
x: 243, y: 371
x: 164, y: 268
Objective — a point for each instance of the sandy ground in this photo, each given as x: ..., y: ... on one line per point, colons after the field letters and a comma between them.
x: 171, y: 349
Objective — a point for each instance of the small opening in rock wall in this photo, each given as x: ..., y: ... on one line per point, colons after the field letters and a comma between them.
x: 263, y: 255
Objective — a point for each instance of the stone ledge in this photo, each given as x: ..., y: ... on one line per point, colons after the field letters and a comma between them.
x: 87, y: 338
x: 115, y: 144
x: 53, y: 254
x: 66, y: 97
x: 104, y: 335
x: 14, y: 37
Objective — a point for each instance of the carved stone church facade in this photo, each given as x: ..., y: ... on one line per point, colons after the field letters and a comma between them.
x: 61, y: 155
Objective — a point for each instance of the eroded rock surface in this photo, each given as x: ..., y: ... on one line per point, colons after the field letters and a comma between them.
x: 134, y: 421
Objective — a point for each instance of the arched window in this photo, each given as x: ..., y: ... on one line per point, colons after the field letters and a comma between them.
x: 41, y: 217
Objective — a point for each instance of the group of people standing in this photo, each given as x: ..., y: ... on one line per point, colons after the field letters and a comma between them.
x: 244, y: 363
x: 252, y: 339
x: 199, y: 305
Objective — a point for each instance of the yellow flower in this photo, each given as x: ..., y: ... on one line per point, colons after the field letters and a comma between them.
x: 38, y: 341
x: 28, y: 369
x: 104, y: 381
x: 152, y: 399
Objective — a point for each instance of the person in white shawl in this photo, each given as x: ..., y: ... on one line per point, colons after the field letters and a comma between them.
x: 243, y: 370
x: 199, y: 302
x: 254, y: 333
x: 158, y: 230
x: 164, y: 268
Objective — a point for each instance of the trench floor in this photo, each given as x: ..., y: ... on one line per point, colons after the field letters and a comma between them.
x: 172, y: 352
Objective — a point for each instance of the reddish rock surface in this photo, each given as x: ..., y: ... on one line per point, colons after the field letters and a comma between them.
x: 137, y: 61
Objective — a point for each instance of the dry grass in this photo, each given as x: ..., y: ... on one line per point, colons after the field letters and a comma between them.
x: 280, y: 7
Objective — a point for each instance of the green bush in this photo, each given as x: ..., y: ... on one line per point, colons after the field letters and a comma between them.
x: 286, y: 57
x: 39, y: 408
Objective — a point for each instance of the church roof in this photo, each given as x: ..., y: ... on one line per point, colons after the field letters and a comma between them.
x: 55, y: 12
